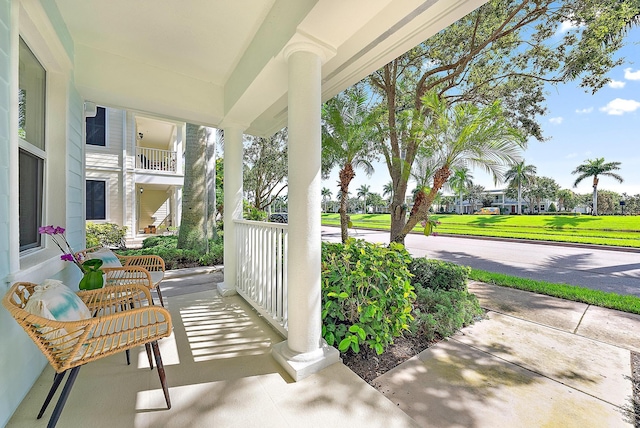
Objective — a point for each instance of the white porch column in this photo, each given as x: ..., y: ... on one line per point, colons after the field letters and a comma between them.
x: 232, y: 204
x: 304, y: 352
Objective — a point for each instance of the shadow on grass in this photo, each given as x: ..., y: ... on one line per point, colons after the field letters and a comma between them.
x: 560, y: 222
x: 487, y: 220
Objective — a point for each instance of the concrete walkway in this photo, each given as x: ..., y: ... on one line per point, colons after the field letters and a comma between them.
x: 534, y: 361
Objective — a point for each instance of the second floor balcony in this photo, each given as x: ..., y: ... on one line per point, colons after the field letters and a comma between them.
x: 156, y: 160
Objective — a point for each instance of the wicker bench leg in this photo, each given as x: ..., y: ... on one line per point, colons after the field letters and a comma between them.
x: 160, y: 295
x: 73, y: 374
x: 147, y: 347
x: 161, y: 373
x: 57, y: 379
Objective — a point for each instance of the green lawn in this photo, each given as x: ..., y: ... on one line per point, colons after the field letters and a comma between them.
x: 604, y: 230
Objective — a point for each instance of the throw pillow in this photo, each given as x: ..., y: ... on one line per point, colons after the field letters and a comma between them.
x: 55, y: 301
x: 109, y: 259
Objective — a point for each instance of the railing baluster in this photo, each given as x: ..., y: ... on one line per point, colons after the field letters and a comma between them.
x: 261, y: 251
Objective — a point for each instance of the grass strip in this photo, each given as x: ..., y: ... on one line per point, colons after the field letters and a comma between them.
x: 517, y: 227
x: 575, y: 293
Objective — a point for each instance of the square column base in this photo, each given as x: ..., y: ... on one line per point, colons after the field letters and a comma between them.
x: 300, y: 366
x: 225, y: 290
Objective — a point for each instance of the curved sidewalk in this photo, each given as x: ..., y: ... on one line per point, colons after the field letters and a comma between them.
x: 534, y: 361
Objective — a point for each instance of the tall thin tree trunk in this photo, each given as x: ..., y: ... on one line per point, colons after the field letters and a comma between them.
x: 519, y: 198
x: 346, y: 175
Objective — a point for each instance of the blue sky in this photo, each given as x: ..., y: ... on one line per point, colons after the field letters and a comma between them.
x: 578, y: 126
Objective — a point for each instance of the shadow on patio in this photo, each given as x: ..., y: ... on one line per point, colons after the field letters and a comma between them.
x: 220, y: 373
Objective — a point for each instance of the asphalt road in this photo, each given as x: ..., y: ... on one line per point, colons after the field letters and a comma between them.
x: 597, y: 269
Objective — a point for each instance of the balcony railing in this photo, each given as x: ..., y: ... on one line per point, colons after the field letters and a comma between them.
x: 156, y: 159
x: 262, y: 269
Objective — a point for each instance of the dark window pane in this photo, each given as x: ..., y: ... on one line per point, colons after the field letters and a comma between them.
x: 30, y: 199
x: 96, y: 205
x: 96, y: 128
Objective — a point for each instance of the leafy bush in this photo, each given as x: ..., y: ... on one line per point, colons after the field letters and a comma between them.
x: 106, y: 235
x: 253, y: 213
x: 443, y: 312
x: 439, y: 275
x: 552, y: 208
x: 367, y: 295
x: 174, y: 258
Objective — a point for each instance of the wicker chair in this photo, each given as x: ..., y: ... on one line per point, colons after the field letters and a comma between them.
x: 122, y: 319
x: 147, y: 269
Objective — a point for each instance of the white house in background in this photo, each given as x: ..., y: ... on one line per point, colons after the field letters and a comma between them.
x: 501, y: 200
x: 133, y: 170
x: 243, y: 66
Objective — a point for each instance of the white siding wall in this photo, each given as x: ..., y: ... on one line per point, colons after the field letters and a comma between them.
x: 20, y: 361
x: 105, y: 163
x: 11, y: 332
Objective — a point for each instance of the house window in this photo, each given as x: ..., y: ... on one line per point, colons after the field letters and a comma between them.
x: 96, y: 135
x: 31, y: 154
x: 96, y: 200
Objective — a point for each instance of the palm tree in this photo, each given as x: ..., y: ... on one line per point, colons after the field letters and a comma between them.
x: 326, y: 195
x: 461, y: 179
x: 594, y: 168
x: 459, y: 136
x: 518, y: 175
x: 387, y: 189
x: 347, y: 135
x: 363, y: 192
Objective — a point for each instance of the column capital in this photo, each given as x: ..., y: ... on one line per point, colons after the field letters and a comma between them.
x: 303, y: 42
x: 230, y: 124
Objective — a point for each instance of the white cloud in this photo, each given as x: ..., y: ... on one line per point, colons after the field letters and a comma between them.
x: 617, y: 84
x: 631, y: 75
x: 619, y: 107
x: 584, y: 110
x: 556, y: 120
x: 566, y: 26
x: 571, y: 155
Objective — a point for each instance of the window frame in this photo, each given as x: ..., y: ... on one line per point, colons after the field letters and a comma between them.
x: 106, y: 199
x: 40, y: 154
x: 105, y: 129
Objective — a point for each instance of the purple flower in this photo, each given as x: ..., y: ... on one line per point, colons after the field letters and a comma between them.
x: 434, y: 234
x: 49, y: 230
x: 67, y: 258
x: 58, y: 230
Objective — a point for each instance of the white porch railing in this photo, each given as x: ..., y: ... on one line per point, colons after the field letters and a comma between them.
x: 156, y: 159
x: 262, y: 268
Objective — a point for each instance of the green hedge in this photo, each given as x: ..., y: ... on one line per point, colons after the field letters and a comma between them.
x: 105, y: 235
x: 439, y: 275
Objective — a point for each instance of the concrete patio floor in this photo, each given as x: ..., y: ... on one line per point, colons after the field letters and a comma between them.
x: 220, y: 373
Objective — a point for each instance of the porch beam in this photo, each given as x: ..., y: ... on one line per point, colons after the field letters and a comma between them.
x: 232, y: 204
x: 304, y: 352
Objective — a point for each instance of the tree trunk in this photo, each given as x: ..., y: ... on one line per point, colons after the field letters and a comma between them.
x: 519, y: 198
x: 191, y: 234
x: 420, y: 210
x: 594, y: 211
x: 346, y: 175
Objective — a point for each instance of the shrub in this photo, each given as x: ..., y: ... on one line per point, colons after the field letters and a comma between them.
x: 443, y: 312
x: 552, y: 208
x: 439, y: 275
x: 174, y: 258
x: 367, y: 295
x: 106, y: 235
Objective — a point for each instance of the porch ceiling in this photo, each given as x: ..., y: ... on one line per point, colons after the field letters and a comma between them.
x: 205, y: 61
